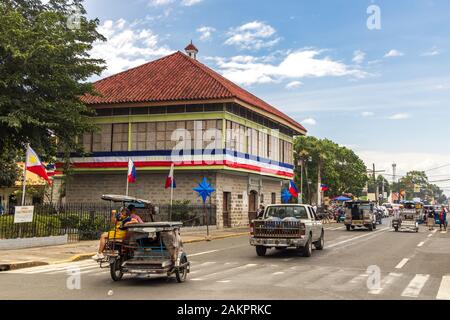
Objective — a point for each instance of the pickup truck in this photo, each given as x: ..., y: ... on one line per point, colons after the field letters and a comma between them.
x: 287, y: 226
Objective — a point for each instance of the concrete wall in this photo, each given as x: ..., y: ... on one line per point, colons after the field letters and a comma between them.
x: 12, y: 244
x: 90, y: 187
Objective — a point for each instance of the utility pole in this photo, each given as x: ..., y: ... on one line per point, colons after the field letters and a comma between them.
x: 376, y: 184
x: 374, y: 172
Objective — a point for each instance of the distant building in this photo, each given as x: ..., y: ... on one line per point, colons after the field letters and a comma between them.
x: 243, y: 145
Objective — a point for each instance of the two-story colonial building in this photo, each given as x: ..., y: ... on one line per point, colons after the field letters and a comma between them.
x: 177, y: 110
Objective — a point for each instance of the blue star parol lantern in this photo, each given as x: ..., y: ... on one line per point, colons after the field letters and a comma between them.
x: 204, y: 190
x: 286, y: 196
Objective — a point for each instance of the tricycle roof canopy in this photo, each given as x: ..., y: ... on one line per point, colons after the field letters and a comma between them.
x: 122, y: 198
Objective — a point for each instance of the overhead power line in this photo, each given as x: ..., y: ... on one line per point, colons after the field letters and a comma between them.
x: 440, y: 167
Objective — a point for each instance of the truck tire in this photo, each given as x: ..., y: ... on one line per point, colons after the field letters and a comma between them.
x: 348, y: 227
x: 371, y: 227
x: 307, y: 250
x: 321, y: 243
x: 396, y: 229
x: 261, y: 251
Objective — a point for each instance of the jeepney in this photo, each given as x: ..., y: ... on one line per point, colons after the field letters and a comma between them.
x: 360, y: 214
x: 408, y: 217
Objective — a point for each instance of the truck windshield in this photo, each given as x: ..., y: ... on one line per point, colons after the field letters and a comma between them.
x: 287, y: 212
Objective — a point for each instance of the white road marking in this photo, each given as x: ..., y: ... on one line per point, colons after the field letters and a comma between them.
x: 387, y: 281
x: 251, y: 265
x: 224, y: 281
x: 206, y: 264
x: 355, y: 238
x: 56, y: 267
x: 421, y: 244
x: 202, y: 253
x: 444, y: 289
x: 430, y: 235
x: 434, y: 231
x: 82, y: 269
x: 277, y: 273
x: 443, y: 232
x: 402, y: 263
x: 359, y: 278
x: 415, y: 286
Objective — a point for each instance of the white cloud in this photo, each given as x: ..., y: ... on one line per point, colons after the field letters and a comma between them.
x: 294, y: 85
x: 127, y: 46
x: 294, y: 65
x: 400, y: 116
x: 359, y: 56
x: 205, y: 32
x: 309, y: 122
x: 367, y: 114
x: 157, y: 3
x: 394, y: 53
x: 189, y: 3
x: 433, y: 52
x: 252, y: 36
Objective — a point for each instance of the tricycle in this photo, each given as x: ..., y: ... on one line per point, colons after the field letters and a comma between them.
x: 149, y: 248
x: 153, y: 248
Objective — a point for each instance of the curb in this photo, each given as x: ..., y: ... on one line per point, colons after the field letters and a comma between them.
x: 21, y: 265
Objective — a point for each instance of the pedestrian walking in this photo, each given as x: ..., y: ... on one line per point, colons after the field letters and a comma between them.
x: 443, y: 219
x: 430, y: 219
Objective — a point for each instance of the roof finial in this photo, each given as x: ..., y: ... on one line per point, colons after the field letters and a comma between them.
x: 191, y: 51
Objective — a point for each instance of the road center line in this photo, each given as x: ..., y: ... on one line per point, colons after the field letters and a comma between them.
x: 355, y: 238
x: 421, y: 244
x: 402, y: 263
x: 430, y: 235
x: 202, y: 253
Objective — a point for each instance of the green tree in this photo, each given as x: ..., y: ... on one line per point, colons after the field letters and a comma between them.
x: 416, y: 185
x: 380, y: 181
x: 341, y: 169
x: 44, y: 68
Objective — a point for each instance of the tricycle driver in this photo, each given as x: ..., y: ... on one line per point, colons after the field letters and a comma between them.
x: 120, y: 220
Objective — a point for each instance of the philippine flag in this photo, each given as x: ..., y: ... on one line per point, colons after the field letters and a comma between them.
x: 34, y: 165
x: 293, y: 189
x: 324, y: 187
x: 170, y: 181
x: 131, y: 172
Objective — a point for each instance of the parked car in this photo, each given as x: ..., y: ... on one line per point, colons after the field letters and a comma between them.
x: 287, y: 226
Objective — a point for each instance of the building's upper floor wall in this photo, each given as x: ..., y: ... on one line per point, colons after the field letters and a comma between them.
x: 207, y: 126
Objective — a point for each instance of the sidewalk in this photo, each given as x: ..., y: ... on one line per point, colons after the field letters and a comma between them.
x: 25, y: 258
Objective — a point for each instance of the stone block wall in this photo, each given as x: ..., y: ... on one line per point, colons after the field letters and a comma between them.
x: 90, y: 187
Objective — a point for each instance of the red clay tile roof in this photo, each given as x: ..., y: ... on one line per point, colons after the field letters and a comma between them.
x: 175, y: 77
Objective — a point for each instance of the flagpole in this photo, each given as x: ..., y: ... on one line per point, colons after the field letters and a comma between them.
x: 128, y: 169
x: 171, y: 192
x: 24, y: 184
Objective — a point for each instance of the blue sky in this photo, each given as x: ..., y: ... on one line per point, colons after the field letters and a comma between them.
x: 385, y: 93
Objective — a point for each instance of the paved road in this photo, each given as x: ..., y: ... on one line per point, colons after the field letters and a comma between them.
x: 412, y: 266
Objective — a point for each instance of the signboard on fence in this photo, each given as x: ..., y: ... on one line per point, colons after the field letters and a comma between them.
x: 23, y: 214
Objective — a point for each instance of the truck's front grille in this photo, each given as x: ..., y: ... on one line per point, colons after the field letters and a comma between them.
x: 277, y: 229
